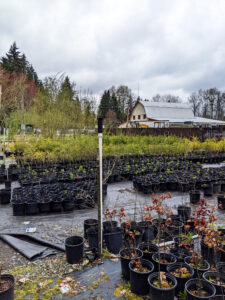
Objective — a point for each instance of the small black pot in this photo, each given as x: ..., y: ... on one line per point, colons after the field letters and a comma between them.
x: 68, y: 205
x: 208, y: 189
x: 148, y: 230
x: 139, y: 281
x: 195, y: 196
x: 92, y: 236
x: 193, y: 284
x: 114, y: 240
x: 8, y: 294
x: 109, y: 225
x: 89, y: 223
x: 44, y: 207
x: 200, y: 272
x: 8, y: 184
x: 168, y: 256
x: 31, y: 208
x: 74, y: 249
x: 221, y: 202
x: 184, y: 212
x: 148, y: 249
x: 180, y: 280
x: 125, y: 261
x: 18, y: 209
x: 219, y: 289
x: 175, y: 227
x: 56, y: 206
x: 162, y: 294
x: 216, y: 187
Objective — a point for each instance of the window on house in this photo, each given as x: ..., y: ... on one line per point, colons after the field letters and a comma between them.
x: 144, y: 116
x: 139, y: 117
x: 133, y: 117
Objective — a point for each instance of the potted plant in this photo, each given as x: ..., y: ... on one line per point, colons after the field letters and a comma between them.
x: 6, y: 286
x: 139, y: 272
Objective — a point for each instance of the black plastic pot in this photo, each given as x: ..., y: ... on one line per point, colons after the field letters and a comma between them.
x: 114, y: 240
x: 220, y: 267
x: 139, y: 281
x: 5, y: 196
x: 210, y: 275
x: 216, y: 187
x: 168, y: 256
x: 175, y: 227
x: 193, y: 284
x: 31, y: 208
x: 89, y: 223
x: 8, y: 294
x: 180, y: 253
x: 108, y: 225
x: 125, y: 261
x: 208, y: 189
x: 92, y: 237
x: 218, y: 297
x: 161, y: 294
x: 148, y: 249
x: 18, y: 209
x: 74, y: 249
x: 148, y: 230
x: 180, y: 280
x: 8, y: 184
x: 44, y: 207
x: 221, y: 202
x: 184, y: 212
x: 68, y: 205
x: 210, y: 254
x: 56, y: 206
x: 194, y: 196
x: 199, y: 272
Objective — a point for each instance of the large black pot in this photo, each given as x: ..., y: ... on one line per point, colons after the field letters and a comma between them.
x: 8, y: 294
x: 210, y: 254
x: 74, y: 249
x: 31, y: 208
x: 148, y: 249
x: 5, y: 196
x: 139, y: 281
x: 18, y: 209
x: 192, y: 284
x: 45, y: 207
x: 160, y: 293
x: 163, y: 266
x: 210, y: 275
x: 199, y: 272
x: 180, y: 280
x: 124, y: 260
x: 208, y: 189
x: 114, y: 240
x: 89, y: 223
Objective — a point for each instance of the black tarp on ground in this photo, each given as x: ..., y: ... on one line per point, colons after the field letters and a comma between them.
x: 31, y: 247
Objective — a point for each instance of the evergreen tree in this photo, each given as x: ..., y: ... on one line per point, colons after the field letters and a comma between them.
x: 104, y: 103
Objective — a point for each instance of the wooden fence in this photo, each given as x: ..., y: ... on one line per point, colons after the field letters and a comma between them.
x: 201, y: 133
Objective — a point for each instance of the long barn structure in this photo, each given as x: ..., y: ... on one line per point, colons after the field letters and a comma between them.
x: 146, y: 114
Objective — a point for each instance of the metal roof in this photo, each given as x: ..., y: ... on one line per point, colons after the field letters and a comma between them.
x: 159, y: 110
x: 174, y: 113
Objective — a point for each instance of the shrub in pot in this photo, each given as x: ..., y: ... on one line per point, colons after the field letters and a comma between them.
x: 199, y: 289
x: 162, y: 260
x: 139, y: 272
x: 74, y: 249
x: 7, y: 282
x: 148, y: 249
x: 162, y: 286
x: 126, y: 256
x: 199, y: 265
x: 182, y: 272
x: 217, y: 279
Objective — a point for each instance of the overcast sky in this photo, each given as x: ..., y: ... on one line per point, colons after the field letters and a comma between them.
x: 168, y: 46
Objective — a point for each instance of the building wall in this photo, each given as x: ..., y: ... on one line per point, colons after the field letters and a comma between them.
x: 138, y: 113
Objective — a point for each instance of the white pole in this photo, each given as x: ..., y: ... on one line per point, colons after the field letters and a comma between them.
x: 100, y: 186
x: 100, y: 191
